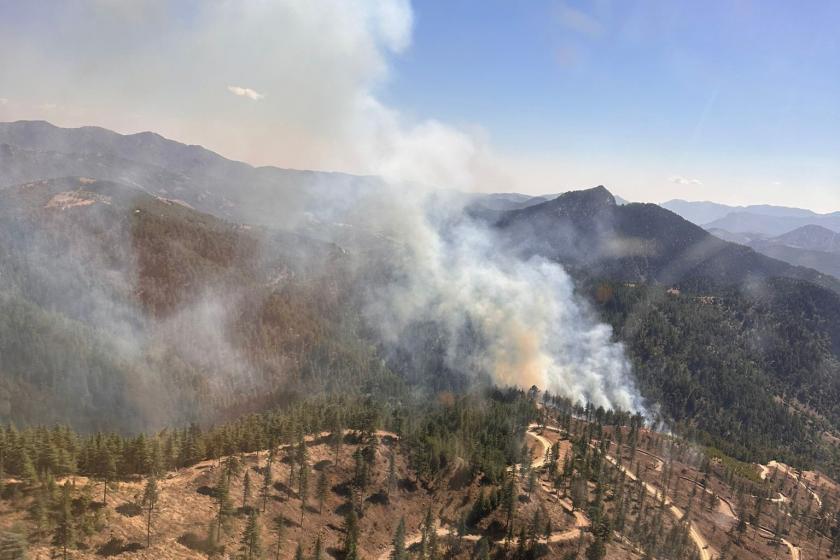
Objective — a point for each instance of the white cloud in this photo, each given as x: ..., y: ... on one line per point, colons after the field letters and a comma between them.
x: 679, y: 180
x: 246, y: 92
x: 578, y: 21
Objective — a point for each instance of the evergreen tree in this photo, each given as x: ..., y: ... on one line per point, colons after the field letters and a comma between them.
x: 322, y: 487
x: 233, y: 467
x: 399, y: 552
x: 427, y: 530
x: 246, y: 490
x: 225, y: 508
x: 266, y: 485
x: 303, y: 488
x: 532, y: 481
x: 27, y: 470
x: 150, y: 499
x: 336, y: 439
x: 64, y: 535
x: 251, y: 541
x: 279, y: 533
x: 392, y: 473
x: 299, y: 552
x: 106, y: 469
x: 351, y: 535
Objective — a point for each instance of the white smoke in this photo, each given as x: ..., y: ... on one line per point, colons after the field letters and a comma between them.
x: 531, y: 326
x: 320, y: 66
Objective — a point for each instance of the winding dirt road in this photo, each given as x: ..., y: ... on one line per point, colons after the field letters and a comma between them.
x: 581, y: 521
x: 699, y: 541
x: 694, y: 534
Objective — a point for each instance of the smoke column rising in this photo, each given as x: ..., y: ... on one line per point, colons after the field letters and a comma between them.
x: 533, y: 329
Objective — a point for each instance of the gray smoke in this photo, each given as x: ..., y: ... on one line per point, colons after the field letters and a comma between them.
x: 518, y: 322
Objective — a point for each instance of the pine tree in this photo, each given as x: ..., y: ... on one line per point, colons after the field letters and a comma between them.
x: 27, y: 470
x: 434, y: 552
x: 266, y: 485
x: 150, y: 498
x: 392, y: 473
x: 225, y: 508
x: 299, y: 552
x: 336, y: 439
x: 246, y: 490
x: 426, y: 532
x: 322, y: 487
x: 398, y: 552
x: 351, y: 535
x: 233, y: 467
x: 251, y: 542
x: 88, y: 522
x: 532, y: 481
x: 40, y: 511
x: 64, y: 535
x: 597, y: 550
x: 303, y: 488
x: 279, y: 533
x: 106, y: 469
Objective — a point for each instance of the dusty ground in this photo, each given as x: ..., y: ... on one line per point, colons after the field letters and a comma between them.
x: 187, y: 508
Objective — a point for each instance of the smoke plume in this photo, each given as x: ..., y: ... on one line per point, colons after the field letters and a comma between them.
x: 517, y: 322
x: 317, y: 70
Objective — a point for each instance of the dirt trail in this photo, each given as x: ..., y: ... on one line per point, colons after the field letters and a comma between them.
x: 795, y: 552
x: 724, y: 507
x: 660, y: 462
x: 539, y: 461
x: 764, y: 472
x: 699, y: 541
x: 581, y: 521
x: 789, y: 472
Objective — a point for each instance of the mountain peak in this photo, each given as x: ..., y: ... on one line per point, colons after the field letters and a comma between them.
x: 595, y: 197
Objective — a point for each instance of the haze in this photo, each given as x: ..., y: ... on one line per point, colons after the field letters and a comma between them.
x: 723, y: 101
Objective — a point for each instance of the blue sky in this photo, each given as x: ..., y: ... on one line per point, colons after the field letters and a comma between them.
x: 668, y: 73
x: 694, y: 89
x: 735, y: 101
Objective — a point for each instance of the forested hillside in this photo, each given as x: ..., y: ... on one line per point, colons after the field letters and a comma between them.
x: 755, y: 375
x: 119, y: 307
x: 125, y: 308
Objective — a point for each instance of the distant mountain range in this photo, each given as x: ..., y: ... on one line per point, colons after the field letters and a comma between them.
x: 148, y: 282
x: 810, y: 246
x: 745, y: 222
x: 636, y: 242
x: 206, y: 181
x: 795, y: 235
x: 758, y: 219
x: 706, y: 212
